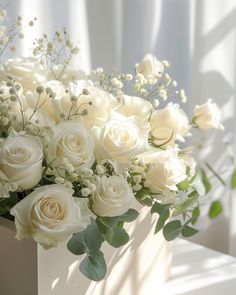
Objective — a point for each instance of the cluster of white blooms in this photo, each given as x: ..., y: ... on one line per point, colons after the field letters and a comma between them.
x: 80, y: 145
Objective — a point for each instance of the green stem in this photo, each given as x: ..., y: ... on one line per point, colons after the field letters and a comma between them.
x: 215, y: 173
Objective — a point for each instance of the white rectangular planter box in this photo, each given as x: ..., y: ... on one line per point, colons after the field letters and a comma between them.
x: 137, y: 268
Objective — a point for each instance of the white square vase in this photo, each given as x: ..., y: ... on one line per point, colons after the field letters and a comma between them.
x: 137, y: 268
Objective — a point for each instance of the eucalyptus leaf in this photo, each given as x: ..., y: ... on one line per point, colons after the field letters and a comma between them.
x: 183, y: 185
x: 195, y: 215
x: 143, y: 197
x: 233, y: 180
x: 172, y: 229
x: 87, y: 241
x: 188, y: 231
x: 94, y: 266
x: 215, y: 209
x: 101, y: 225
x: 164, y: 214
x: 160, y: 208
x: 129, y: 216
x: 116, y: 237
x: 205, y: 181
x: 162, y: 220
x: 112, y: 231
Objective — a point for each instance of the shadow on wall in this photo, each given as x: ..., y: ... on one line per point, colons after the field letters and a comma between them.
x: 213, y: 55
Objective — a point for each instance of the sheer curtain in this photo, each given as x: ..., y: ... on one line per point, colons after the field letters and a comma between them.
x: 196, y: 36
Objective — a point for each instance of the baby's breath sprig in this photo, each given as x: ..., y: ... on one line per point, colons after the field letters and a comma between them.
x: 77, y: 109
x: 13, y: 89
x: 56, y: 51
x: 9, y: 31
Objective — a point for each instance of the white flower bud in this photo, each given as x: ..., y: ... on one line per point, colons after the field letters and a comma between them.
x: 182, y: 96
x: 165, y: 63
x: 85, y: 192
x: 137, y: 187
x: 86, y: 182
x: 137, y: 178
x: 119, y: 84
x: 128, y: 77
x: 59, y: 179
x: 174, y: 83
x: 92, y: 187
x: 99, y: 70
x: 156, y: 103
x: 100, y: 170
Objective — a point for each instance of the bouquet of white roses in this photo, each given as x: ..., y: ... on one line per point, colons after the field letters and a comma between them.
x: 78, y: 150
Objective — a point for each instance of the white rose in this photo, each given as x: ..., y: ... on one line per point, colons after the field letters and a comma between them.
x: 165, y: 170
x: 92, y: 108
x: 112, y: 197
x: 71, y: 141
x: 64, y: 104
x: 168, y: 125
x: 97, y: 103
x: 21, y: 159
x: 207, y: 116
x: 121, y: 139
x: 50, y: 214
x: 27, y: 71
x: 51, y: 106
x: 66, y: 75
x: 135, y: 106
x: 150, y: 66
x: 40, y: 118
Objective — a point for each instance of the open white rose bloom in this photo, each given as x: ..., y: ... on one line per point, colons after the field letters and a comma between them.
x: 77, y: 150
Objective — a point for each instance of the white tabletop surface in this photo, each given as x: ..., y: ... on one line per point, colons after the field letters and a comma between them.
x: 197, y: 270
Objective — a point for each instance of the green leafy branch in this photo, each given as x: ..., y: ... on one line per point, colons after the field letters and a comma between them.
x: 89, y: 242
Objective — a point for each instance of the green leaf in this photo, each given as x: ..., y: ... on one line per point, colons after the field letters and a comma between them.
x: 193, y: 194
x: 94, y: 266
x: 102, y: 225
x: 129, y: 216
x: 215, y: 209
x: 183, y: 185
x: 233, y: 180
x: 7, y: 203
x: 162, y: 220
x: 172, y: 229
x: 87, y: 241
x: 143, y: 197
x: 195, y: 215
x: 159, y: 208
x: 112, y: 231
x: 164, y: 214
x: 205, y: 181
x: 116, y: 237
x: 184, y: 204
x: 198, y: 185
x: 188, y: 231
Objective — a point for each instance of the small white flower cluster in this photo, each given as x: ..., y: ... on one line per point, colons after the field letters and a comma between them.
x: 7, y: 36
x: 51, y: 52
x: 9, y: 103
